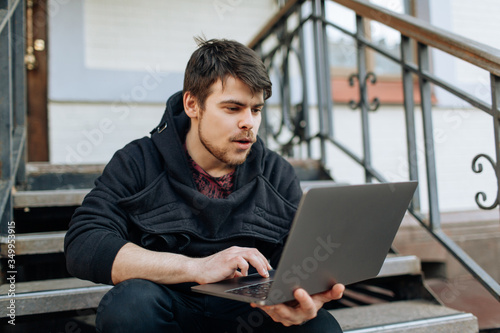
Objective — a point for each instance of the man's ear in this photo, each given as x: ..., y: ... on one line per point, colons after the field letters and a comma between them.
x: 190, y: 105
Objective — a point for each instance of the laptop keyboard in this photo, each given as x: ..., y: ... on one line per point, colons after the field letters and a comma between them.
x: 259, y: 290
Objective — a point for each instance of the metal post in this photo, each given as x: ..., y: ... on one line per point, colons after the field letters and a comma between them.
x: 363, y: 96
x: 326, y: 76
x: 430, y: 160
x: 19, y: 103
x: 409, y: 106
x: 6, y: 127
x: 495, y: 108
x: 305, y: 90
x: 18, y: 68
x: 263, y: 130
x: 320, y: 72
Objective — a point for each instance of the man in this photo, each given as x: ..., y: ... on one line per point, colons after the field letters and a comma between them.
x: 200, y: 201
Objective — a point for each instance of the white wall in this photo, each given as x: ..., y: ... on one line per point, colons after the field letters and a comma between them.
x: 83, y: 133
x: 129, y: 34
x: 114, y: 63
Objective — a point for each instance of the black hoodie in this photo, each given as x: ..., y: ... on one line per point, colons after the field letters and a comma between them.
x: 146, y: 195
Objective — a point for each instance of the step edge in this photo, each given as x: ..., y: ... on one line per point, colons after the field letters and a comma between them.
x: 56, y: 292
x: 23, y: 242
x: 26, y: 303
x: 452, y: 318
x: 47, y: 285
x: 412, y: 266
x: 45, y: 198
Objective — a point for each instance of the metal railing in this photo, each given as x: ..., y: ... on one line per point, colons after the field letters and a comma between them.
x: 298, y: 33
x: 12, y: 107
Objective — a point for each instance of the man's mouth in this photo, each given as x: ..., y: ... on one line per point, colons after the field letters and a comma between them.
x: 244, y: 142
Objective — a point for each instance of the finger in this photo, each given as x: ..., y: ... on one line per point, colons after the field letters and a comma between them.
x: 242, y: 264
x: 260, y: 263
x: 306, y: 303
x: 288, y: 316
x: 254, y: 256
x: 237, y: 274
x: 338, y: 291
x: 257, y: 260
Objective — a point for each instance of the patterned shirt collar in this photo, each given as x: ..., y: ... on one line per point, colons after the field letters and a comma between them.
x: 212, y: 187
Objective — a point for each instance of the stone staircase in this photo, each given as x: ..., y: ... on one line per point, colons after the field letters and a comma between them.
x: 395, y: 301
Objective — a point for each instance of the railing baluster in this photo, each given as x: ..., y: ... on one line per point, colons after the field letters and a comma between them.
x: 326, y: 76
x: 263, y: 130
x: 6, y: 123
x: 430, y: 160
x: 305, y: 90
x: 495, y: 108
x: 363, y: 96
x: 320, y: 76
x: 409, y: 107
x: 19, y: 93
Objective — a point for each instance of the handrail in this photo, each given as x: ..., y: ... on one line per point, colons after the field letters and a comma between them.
x: 466, y: 49
x: 295, y: 117
x: 476, y: 53
x: 12, y: 106
x: 274, y: 21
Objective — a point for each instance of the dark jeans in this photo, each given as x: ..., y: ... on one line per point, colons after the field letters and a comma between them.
x: 144, y: 306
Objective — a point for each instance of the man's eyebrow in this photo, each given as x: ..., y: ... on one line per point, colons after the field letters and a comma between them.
x: 234, y: 101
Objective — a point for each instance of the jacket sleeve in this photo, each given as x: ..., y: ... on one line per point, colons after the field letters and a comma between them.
x: 99, y: 228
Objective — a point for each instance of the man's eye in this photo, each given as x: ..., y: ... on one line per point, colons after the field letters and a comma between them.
x: 257, y: 110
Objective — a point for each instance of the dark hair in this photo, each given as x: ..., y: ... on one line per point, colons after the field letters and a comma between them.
x: 219, y: 58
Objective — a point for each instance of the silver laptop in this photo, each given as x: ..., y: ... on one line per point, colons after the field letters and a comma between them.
x: 340, y: 234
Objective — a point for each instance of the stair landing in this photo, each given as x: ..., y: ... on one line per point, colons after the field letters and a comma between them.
x: 464, y: 293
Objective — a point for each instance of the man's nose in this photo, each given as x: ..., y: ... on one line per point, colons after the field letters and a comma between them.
x: 247, y: 120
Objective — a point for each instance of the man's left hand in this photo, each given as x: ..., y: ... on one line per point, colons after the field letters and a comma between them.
x: 304, y: 308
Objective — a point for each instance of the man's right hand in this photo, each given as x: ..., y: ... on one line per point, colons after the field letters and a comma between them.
x: 232, y: 262
x: 134, y: 262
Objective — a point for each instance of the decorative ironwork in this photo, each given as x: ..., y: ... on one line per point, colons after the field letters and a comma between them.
x: 375, y: 103
x: 310, y: 34
x: 478, y: 168
x: 290, y: 130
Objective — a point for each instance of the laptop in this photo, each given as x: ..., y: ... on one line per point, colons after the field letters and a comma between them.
x: 340, y: 234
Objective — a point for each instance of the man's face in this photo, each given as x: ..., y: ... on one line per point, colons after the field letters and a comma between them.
x: 229, y: 123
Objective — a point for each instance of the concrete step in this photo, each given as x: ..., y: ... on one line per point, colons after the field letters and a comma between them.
x: 47, y: 176
x: 50, y: 296
x: 49, y: 198
x: 35, y: 243
x: 415, y: 316
x: 395, y: 265
x: 309, y: 169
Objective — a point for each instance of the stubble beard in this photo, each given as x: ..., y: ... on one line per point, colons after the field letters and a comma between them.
x: 221, y: 154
